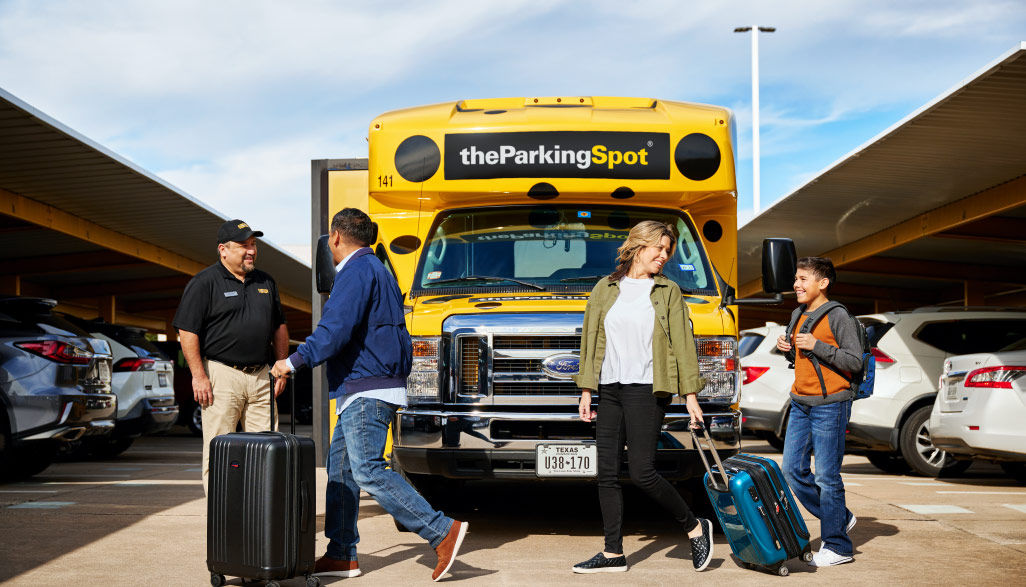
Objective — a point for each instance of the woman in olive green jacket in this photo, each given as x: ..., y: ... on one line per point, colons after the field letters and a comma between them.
x: 638, y: 351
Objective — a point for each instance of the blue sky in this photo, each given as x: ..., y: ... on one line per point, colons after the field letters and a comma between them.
x: 230, y: 100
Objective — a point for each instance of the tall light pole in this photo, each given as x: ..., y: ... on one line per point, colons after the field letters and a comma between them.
x: 755, y: 30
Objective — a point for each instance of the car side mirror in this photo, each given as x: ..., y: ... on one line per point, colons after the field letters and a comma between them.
x: 325, y: 266
x: 779, y: 263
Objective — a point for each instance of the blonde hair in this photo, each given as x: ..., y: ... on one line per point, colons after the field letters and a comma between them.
x: 646, y: 233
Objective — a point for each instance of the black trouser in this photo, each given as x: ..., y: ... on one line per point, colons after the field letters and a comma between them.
x: 630, y: 412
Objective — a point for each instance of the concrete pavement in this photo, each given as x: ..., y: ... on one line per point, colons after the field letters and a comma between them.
x: 140, y: 520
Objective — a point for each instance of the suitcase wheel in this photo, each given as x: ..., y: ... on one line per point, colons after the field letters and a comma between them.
x: 313, y: 582
x: 217, y: 579
x: 807, y: 556
x: 782, y: 571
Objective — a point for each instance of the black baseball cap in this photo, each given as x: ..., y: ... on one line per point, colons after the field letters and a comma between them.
x: 236, y: 230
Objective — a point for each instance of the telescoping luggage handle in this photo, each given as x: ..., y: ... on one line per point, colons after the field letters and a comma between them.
x: 292, y: 395
x: 705, y: 461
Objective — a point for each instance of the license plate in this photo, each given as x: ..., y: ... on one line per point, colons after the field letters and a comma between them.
x: 952, y: 391
x: 565, y: 460
x: 162, y: 379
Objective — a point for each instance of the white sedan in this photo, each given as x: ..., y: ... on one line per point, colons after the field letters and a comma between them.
x: 981, y: 406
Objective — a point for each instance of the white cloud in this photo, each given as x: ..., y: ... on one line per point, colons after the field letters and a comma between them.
x: 230, y: 100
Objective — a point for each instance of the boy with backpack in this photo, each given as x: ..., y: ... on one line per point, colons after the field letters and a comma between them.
x: 828, y: 349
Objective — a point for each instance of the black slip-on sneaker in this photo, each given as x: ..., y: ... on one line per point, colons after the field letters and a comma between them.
x: 702, y: 547
x: 600, y: 564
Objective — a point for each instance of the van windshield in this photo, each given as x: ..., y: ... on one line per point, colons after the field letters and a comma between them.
x: 547, y: 248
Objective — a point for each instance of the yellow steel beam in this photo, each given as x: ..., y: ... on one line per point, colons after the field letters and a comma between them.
x: 969, y: 209
x: 56, y: 219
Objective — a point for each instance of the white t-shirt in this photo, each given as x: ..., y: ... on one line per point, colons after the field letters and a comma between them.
x: 629, y: 325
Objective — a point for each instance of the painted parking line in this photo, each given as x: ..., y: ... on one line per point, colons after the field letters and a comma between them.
x: 122, y: 469
x: 865, y: 478
x: 1019, y: 507
x: 145, y: 482
x: 924, y: 483
x: 852, y: 484
x: 984, y: 492
x: 40, y: 505
x: 926, y: 509
x: 79, y: 476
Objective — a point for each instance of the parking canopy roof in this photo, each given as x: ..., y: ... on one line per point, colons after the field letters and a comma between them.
x: 83, y: 225
x: 930, y: 212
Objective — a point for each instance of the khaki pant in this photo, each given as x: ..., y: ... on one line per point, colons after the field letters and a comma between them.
x: 238, y: 397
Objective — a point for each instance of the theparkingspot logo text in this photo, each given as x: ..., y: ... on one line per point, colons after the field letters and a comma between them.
x: 621, y: 155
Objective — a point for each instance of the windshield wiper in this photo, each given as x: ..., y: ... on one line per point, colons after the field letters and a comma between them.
x: 489, y: 278
x: 583, y: 278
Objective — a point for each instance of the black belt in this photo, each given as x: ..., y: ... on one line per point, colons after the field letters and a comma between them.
x: 247, y: 369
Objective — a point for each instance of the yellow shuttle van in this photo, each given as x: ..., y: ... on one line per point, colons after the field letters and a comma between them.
x: 498, y: 216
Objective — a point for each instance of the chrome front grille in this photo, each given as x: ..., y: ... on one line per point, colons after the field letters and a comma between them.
x: 497, y: 358
x: 553, y: 342
x: 536, y: 389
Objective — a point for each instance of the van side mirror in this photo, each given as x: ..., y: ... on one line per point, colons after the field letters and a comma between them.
x: 779, y: 263
x: 324, y: 264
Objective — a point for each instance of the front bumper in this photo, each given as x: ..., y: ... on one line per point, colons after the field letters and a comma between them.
x: 502, y: 445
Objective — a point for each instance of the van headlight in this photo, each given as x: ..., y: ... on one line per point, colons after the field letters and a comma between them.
x: 718, y: 362
x: 422, y: 384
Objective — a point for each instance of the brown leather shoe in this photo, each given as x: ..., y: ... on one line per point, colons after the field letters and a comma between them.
x: 448, y: 549
x: 332, y: 567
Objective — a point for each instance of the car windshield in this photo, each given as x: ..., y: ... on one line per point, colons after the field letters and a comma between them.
x: 548, y: 248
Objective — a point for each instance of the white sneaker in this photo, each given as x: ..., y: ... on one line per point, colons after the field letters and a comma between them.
x: 851, y: 524
x: 828, y: 558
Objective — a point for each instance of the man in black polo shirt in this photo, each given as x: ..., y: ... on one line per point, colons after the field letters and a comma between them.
x: 229, y: 321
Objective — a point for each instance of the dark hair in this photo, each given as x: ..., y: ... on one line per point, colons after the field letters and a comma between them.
x: 820, y: 267
x: 356, y: 227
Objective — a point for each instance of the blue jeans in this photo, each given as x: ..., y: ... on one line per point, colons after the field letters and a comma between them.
x: 356, y: 461
x: 820, y: 430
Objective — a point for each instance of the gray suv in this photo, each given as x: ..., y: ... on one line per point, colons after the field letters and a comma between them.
x: 54, y: 386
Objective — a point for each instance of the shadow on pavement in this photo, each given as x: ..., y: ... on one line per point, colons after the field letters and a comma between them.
x: 89, y: 513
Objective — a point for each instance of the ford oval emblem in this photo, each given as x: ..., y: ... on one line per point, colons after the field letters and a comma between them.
x: 561, y: 366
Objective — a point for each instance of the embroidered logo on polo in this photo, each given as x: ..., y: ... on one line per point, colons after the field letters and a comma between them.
x: 263, y: 290
x: 230, y: 294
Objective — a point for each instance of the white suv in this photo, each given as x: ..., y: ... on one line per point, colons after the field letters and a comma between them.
x: 766, y: 383
x: 892, y: 426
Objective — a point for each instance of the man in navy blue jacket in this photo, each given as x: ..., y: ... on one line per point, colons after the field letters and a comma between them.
x: 363, y: 339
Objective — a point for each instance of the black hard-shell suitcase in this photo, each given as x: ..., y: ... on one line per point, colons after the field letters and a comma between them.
x: 261, y: 506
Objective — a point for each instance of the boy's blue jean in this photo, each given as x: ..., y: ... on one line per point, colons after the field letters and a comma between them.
x: 819, y: 429
x: 356, y: 461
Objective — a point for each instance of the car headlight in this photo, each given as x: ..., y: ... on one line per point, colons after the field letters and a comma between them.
x: 422, y: 384
x: 718, y: 363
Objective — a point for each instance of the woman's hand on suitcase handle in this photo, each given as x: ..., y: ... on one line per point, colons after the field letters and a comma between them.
x: 695, y: 411
x: 584, y: 407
